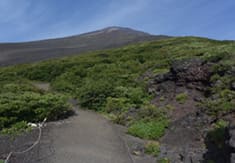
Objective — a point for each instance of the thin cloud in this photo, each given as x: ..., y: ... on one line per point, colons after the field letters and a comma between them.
x: 115, y: 13
x: 24, y: 20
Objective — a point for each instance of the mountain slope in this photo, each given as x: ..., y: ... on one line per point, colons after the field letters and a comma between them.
x: 178, y: 91
x: 111, y: 37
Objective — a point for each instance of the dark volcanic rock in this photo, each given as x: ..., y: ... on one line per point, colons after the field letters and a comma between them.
x: 187, y: 139
x: 192, y: 73
x: 190, y: 70
x: 232, y: 158
x: 233, y: 86
x: 232, y: 141
x: 163, y: 77
x: 183, y: 142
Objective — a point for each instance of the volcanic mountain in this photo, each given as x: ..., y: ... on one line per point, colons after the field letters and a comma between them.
x: 111, y: 37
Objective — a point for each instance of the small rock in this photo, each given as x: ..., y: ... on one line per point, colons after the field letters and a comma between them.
x: 233, y: 85
x: 232, y: 159
x: 232, y: 136
x: 197, y: 99
x: 137, y: 149
x: 159, y: 78
x: 190, y: 85
x: 137, y: 153
x: 232, y: 141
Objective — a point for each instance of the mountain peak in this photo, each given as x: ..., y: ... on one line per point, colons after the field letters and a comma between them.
x: 106, y: 30
x: 114, y: 28
x: 110, y: 37
x: 118, y: 30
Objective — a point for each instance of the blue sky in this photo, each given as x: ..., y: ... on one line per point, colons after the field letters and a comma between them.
x: 25, y: 20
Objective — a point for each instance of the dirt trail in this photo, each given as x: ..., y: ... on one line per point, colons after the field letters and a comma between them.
x: 86, y: 138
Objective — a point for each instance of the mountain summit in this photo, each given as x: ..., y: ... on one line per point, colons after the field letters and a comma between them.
x: 120, y: 30
x: 111, y: 37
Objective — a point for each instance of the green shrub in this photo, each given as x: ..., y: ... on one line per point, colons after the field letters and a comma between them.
x: 181, y: 98
x: 30, y: 107
x: 169, y: 107
x: 164, y: 160
x: 16, y: 129
x: 18, y: 87
x: 93, y: 94
x: 223, y: 104
x: 221, y: 83
x: 210, y: 161
x: 117, y: 105
x: 148, y: 130
x: 136, y: 95
x: 162, y: 98
x: 152, y: 148
x: 44, y: 71
x: 151, y: 112
x: 216, y: 57
x: 220, y: 68
x: 158, y: 71
x: 217, y: 134
x: 120, y: 118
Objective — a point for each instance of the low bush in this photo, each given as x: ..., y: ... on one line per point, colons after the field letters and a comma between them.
x: 148, y: 130
x: 93, y: 94
x: 117, y: 105
x: 152, y: 148
x: 223, y: 104
x: 181, y: 98
x: 17, y: 87
x: 164, y: 160
x: 217, y: 134
x: 30, y: 107
x: 151, y: 112
x: 158, y: 71
x: 16, y: 129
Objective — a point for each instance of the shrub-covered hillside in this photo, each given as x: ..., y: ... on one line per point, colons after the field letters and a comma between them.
x: 115, y: 82
x: 21, y: 102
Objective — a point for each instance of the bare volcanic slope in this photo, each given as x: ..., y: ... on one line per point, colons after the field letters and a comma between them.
x: 111, y: 37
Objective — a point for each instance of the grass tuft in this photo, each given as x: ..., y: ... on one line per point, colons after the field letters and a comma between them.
x: 181, y: 98
x: 152, y: 148
x: 148, y: 130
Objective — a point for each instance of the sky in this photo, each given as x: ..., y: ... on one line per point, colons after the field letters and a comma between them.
x: 26, y: 20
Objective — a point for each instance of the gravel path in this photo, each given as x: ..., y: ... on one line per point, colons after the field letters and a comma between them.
x: 86, y: 138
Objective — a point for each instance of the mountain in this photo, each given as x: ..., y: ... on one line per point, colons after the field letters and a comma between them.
x: 111, y: 37
x: 179, y: 92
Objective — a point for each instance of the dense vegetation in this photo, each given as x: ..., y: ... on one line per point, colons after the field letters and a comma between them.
x: 112, y: 82
x: 21, y: 102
